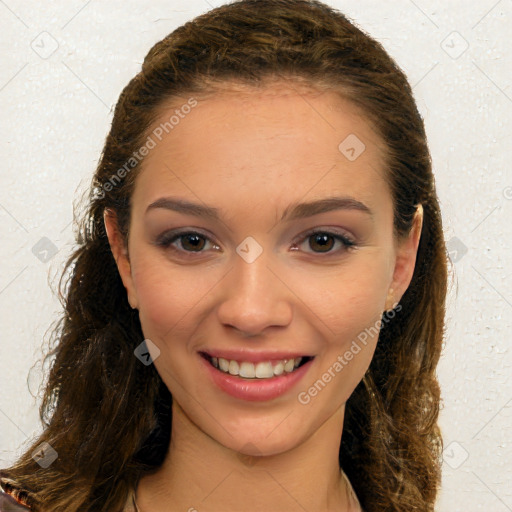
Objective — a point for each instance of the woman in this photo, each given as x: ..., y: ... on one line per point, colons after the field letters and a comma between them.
x: 256, y: 305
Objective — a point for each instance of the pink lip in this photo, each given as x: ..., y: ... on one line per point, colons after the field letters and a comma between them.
x: 255, y: 389
x: 253, y: 356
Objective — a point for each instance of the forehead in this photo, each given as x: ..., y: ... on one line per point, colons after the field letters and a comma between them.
x: 246, y: 140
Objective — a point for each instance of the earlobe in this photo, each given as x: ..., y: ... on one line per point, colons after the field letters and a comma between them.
x: 390, y: 300
x: 405, y: 260
x: 120, y: 253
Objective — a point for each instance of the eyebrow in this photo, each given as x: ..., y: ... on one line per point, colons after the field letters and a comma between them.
x: 293, y: 212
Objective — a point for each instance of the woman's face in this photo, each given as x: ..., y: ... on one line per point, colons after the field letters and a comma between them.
x: 249, y: 285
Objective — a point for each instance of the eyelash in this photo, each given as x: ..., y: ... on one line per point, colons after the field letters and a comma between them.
x: 167, y: 239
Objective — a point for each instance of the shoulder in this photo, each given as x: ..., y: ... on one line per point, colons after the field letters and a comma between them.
x: 12, y: 497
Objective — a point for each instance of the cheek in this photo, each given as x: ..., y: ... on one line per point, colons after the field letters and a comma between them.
x: 350, y: 311
x: 165, y: 297
x: 345, y: 302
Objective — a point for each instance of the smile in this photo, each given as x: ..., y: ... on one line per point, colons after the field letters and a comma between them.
x: 265, y: 377
x: 261, y: 370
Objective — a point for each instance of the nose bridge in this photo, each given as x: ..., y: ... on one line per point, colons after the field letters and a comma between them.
x: 255, y: 298
x: 251, y: 266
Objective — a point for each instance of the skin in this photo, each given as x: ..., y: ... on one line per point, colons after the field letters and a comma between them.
x: 251, y: 155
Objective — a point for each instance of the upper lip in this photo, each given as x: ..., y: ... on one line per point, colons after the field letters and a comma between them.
x: 253, y: 356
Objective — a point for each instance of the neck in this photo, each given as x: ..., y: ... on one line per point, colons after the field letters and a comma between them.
x: 199, y: 474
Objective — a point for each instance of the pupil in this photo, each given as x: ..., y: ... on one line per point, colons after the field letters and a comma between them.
x: 196, y: 241
x: 321, y: 240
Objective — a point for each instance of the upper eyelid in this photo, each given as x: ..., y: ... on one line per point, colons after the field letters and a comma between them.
x: 329, y: 231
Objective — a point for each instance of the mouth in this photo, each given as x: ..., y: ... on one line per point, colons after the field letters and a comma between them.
x: 261, y: 370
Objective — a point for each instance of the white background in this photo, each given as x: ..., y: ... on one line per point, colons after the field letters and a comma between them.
x: 56, y: 111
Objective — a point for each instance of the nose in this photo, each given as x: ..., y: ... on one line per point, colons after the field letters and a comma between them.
x: 255, y: 297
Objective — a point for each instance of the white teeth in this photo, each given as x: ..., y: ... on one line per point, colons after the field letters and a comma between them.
x: 247, y: 371
x: 262, y: 370
x: 289, y: 365
x: 278, y: 369
x: 233, y: 367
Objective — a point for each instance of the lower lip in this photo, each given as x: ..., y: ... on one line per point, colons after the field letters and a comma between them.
x: 255, y: 389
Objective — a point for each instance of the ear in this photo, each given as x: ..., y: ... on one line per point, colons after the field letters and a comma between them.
x: 405, y: 260
x: 120, y: 253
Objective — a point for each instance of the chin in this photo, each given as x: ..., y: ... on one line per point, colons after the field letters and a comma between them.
x: 264, y: 436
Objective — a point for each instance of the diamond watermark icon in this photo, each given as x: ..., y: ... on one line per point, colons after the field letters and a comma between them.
x: 249, y: 460
x: 44, y: 250
x: 454, y: 45
x: 455, y: 455
x: 45, y: 45
x: 456, y: 249
x: 147, y: 352
x: 249, y: 249
x: 352, y: 147
x: 44, y: 455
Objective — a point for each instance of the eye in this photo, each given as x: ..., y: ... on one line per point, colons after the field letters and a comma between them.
x: 323, y: 241
x: 185, y: 241
x: 320, y: 241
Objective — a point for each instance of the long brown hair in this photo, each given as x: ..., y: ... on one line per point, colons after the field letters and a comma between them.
x: 107, y: 415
